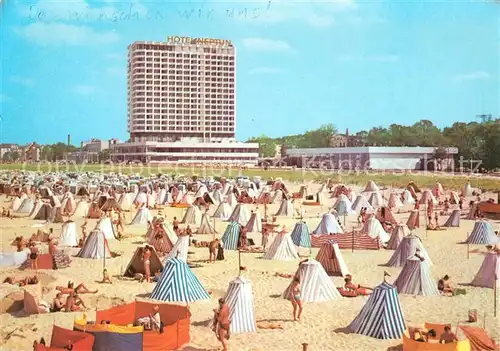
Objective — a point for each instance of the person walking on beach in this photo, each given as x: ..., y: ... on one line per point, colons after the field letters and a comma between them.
x: 146, y: 257
x: 212, y: 249
x: 296, y: 299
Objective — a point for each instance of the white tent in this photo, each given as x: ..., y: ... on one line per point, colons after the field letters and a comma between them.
x: 142, y: 216
x: 376, y: 200
x: 126, y: 201
x: 407, y: 199
x: 374, y: 229
x: 286, y: 208
x: 239, y: 299
x: 282, y: 249
x: 240, y: 214
x: 192, y: 216
x: 180, y: 249
x: 328, y: 225
x: 223, y: 211
x: 106, y: 226
x: 361, y: 202
x: 69, y: 235
x: 82, y: 208
x: 95, y: 247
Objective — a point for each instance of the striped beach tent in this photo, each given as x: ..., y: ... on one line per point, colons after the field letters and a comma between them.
x: 414, y: 220
x: 205, y: 227
x: 240, y: 214
x: 282, y: 249
x: 374, y: 229
x: 406, y: 249
x: 371, y: 186
x: 315, y: 284
x: 489, y: 272
x: 180, y: 249
x: 384, y: 215
x: 416, y: 279
x: 26, y: 206
x: 453, y: 220
x: 381, y: 317
x: 407, y: 198
x: 95, y: 247
x: 328, y: 225
x: 142, y: 216
x: 300, y: 235
x: 426, y: 197
x: 192, y: 216
x: 394, y: 201
x: 160, y: 239
x: 178, y: 283
x: 361, y: 202
x: 376, y: 200
x: 106, y: 226
x: 331, y: 259
x: 343, y: 206
x: 239, y: 299
x: 223, y: 211
x: 398, y: 233
x: 231, y: 236
x: 286, y: 208
x: 254, y: 224
x: 482, y: 234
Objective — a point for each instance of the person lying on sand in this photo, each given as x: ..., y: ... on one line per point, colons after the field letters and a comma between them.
x: 358, y: 289
x: 30, y: 280
x: 448, y: 336
x: 424, y: 334
x: 80, y: 289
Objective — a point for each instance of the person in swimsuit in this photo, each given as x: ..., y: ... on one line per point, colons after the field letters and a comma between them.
x: 212, y: 250
x: 73, y: 303
x: 84, y: 231
x: 146, y: 258
x: 358, y: 289
x: 105, y: 277
x: 296, y: 299
x: 33, y: 256
x: 448, y: 336
x: 58, y: 304
x: 175, y: 225
x: 80, y: 289
x: 222, y: 323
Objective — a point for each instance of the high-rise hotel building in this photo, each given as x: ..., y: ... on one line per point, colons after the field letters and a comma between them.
x: 182, y: 103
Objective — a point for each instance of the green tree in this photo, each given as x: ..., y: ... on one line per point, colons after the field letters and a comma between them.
x: 104, y: 155
x: 267, y: 146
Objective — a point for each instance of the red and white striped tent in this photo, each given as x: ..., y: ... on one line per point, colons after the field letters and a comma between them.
x: 331, y: 259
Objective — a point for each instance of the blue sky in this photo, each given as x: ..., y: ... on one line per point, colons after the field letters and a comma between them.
x: 299, y: 64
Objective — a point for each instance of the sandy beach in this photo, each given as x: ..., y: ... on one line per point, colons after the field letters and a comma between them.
x: 322, y: 323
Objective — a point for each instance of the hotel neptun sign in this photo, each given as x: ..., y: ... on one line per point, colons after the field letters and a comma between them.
x: 189, y: 40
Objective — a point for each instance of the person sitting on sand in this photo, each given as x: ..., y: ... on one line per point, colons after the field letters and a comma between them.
x: 221, y: 325
x: 424, y: 334
x: 448, y: 336
x: 212, y: 250
x: 57, y: 304
x: 74, y: 303
x: 80, y: 289
x: 444, y: 285
x: 105, y: 277
x: 358, y: 289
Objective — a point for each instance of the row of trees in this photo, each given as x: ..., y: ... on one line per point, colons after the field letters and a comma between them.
x: 477, y: 141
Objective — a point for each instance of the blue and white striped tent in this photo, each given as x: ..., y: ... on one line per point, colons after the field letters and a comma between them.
x: 381, y: 316
x: 231, y: 236
x: 300, y: 235
x: 239, y: 299
x: 482, y: 234
x: 178, y: 283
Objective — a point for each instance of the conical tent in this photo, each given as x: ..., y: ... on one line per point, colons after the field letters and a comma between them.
x: 371, y: 186
x: 69, y: 235
x: 217, y: 196
x: 180, y: 249
x: 136, y: 263
x: 394, y: 201
x: 126, y: 201
x: 82, y: 208
x: 414, y: 220
x: 406, y: 249
x: 239, y: 299
x: 384, y: 215
x: 160, y: 239
x: 376, y: 200
x: 407, y: 198
x: 343, y: 206
x: 14, y: 206
x: 426, y: 197
x: 95, y: 247
x: 110, y: 204
x: 454, y: 198
x: 300, y: 235
x: 178, y: 283
x: 489, y: 273
x: 106, y: 226
x: 398, y: 233
x: 437, y: 189
x: 231, y: 236
x: 254, y: 224
x: 286, y: 208
x: 223, y: 211
x: 482, y: 234
x: 142, y: 216
x: 282, y: 249
x: 205, y: 227
x: 467, y: 190
x: 192, y: 216
x: 26, y: 206
x: 315, y: 284
x: 453, y: 220
x: 240, y: 214
x: 331, y: 259
x: 361, y: 202
x: 328, y: 225
x: 46, y: 213
x: 381, y: 317
x: 416, y: 279
x: 374, y: 229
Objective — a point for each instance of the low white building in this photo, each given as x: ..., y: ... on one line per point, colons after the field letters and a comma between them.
x: 371, y: 157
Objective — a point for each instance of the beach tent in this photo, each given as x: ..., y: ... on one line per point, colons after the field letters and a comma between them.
x: 453, y: 220
x: 371, y: 186
x: 192, y: 216
x: 426, y: 197
x: 381, y: 317
x: 95, y: 247
x: 231, y: 236
x: 414, y: 220
x: 136, y: 264
x: 408, y: 248
x: 489, y: 271
x: 240, y: 214
x: 300, y: 235
x: 26, y: 206
x: 231, y: 199
x: 217, y: 196
x: 416, y: 279
x: 343, y: 206
x: 81, y: 341
x: 223, y: 211
x: 407, y: 198
x: 110, y: 204
x: 361, y: 202
x: 180, y: 249
x: 160, y: 239
x: 467, y: 190
x: 397, y: 235
x: 32, y: 302
x: 82, y: 208
x: 69, y: 234
x: 482, y: 234
x: 282, y: 249
x: 331, y: 259
x: 479, y: 340
x: 46, y: 213
x: 376, y: 200
x: 239, y: 299
x: 143, y: 216
x: 254, y: 224
x: 328, y: 225
x: 106, y: 226
x: 315, y: 284
x: 141, y: 198
x: 437, y: 190
x: 454, y: 198
x: 126, y: 201
x: 205, y: 227
x: 374, y: 229
x: 68, y: 203
x: 178, y: 283
x: 286, y: 208
x: 394, y: 201
x: 16, y: 203
x: 384, y: 215
x: 13, y: 259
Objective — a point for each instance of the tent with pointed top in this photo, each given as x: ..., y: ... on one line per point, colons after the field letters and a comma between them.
x: 331, y: 259
x: 180, y: 249
x: 126, y: 201
x: 315, y: 284
x: 110, y: 204
x: 231, y: 236
x: 240, y: 214
x: 361, y: 202
x: 239, y: 299
x: 489, y: 272
x: 374, y: 229
x: 16, y: 203
x: 46, y: 213
x: 437, y: 190
x: 416, y: 279
x: 142, y: 216
x: 427, y: 197
x: 408, y: 248
x: 384, y: 215
x: 407, y: 198
x: 282, y: 249
x: 328, y: 225
x: 178, y: 283
x: 300, y: 235
x: 482, y: 234
x: 136, y: 263
x: 160, y: 238
x: 286, y: 208
x: 414, y: 220
x: 398, y: 233
x: 394, y: 201
x: 81, y: 210
x: 343, y: 206
x: 69, y: 234
x: 453, y: 220
x: 106, y: 226
x: 454, y: 198
x: 381, y: 317
x: 192, y: 216
x: 223, y: 211
x: 205, y: 226
x: 371, y: 187
x: 95, y: 247
x: 254, y: 224
x: 26, y: 206
x: 376, y: 200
